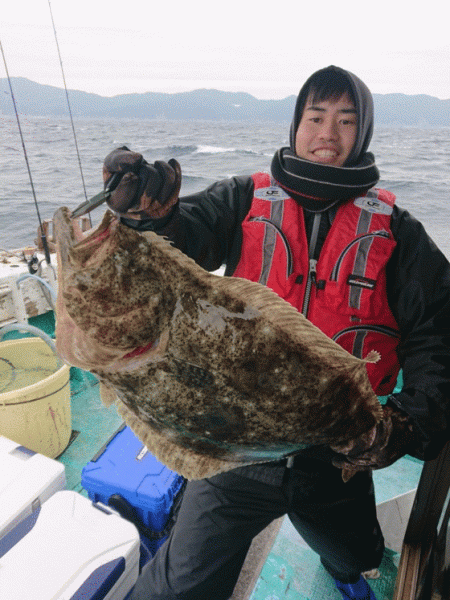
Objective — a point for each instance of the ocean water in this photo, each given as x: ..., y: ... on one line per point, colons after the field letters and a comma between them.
x: 414, y: 164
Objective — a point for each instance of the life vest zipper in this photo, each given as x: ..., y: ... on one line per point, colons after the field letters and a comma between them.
x: 335, y: 272
x: 312, y: 271
x: 284, y: 239
x: 312, y: 277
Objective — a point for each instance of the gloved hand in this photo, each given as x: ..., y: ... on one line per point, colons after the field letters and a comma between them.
x: 381, y: 446
x: 145, y: 190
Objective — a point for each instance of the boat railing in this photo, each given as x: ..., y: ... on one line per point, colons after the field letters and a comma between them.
x: 48, y: 229
x: 424, y: 568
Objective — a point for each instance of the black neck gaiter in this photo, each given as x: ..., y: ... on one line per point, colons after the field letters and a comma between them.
x: 318, y: 186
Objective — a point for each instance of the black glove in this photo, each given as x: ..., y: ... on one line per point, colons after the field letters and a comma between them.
x: 381, y: 446
x: 148, y: 190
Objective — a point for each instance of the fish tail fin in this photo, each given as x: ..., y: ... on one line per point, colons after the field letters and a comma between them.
x: 372, y: 357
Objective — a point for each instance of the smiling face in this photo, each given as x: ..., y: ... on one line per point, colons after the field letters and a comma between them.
x: 327, y: 131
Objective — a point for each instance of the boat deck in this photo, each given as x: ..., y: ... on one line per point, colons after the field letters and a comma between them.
x: 291, y: 571
x: 279, y: 565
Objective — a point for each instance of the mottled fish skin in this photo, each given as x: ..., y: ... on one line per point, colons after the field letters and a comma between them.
x: 210, y: 372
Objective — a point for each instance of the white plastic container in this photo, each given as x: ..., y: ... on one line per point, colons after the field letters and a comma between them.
x: 75, y: 550
x: 393, y: 516
x: 27, y: 480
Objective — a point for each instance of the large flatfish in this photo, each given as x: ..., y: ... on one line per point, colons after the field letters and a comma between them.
x: 210, y: 372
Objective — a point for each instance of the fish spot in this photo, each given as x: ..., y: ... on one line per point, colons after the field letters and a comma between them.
x: 250, y: 365
x: 263, y: 380
x: 222, y: 424
x: 191, y: 375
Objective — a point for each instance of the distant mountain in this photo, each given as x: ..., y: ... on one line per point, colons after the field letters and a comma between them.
x: 35, y: 99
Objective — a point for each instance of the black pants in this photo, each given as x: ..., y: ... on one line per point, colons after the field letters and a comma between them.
x: 220, y: 516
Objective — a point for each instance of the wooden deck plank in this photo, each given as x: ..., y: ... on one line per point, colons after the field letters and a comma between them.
x: 254, y: 562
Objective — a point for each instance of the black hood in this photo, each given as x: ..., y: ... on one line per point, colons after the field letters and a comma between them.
x: 363, y: 104
x: 318, y: 186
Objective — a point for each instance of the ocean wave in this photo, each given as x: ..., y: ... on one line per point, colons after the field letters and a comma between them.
x: 195, y: 178
x: 180, y: 150
x: 204, y: 149
x: 194, y: 183
x: 164, y: 152
x: 213, y: 150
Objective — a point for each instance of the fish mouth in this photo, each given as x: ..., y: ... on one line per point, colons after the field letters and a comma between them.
x: 67, y: 228
x: 75, y: 245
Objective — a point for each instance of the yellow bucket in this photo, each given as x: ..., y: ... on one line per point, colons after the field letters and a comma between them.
x: 34, y: 396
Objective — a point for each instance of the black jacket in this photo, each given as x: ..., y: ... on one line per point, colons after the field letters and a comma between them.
x: 207, y: 227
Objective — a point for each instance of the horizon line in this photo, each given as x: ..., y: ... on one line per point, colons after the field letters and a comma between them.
x: 201, y: 88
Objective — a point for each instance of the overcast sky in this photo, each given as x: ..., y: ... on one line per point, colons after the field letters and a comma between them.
x: 266, y: 48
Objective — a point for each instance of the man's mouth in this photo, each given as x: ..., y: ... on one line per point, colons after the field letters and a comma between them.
x: 325, y: 153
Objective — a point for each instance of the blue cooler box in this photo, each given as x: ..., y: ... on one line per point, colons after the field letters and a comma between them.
x: 127, y: 477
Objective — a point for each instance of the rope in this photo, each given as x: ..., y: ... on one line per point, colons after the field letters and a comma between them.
x: 44, y: 283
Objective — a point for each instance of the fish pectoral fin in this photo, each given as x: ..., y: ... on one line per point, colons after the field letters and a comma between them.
x: 107, y: 394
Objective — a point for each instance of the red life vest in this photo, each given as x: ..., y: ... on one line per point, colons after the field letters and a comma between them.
x: 344, y: 292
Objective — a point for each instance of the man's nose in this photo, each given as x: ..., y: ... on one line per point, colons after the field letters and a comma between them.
x: 329, y: 130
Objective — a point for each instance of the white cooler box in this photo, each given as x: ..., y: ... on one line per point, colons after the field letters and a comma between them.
x: 27, y: 480
x: 75, y: 550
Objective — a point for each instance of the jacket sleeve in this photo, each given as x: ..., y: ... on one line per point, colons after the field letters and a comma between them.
x: 206, y: 225
x: 418, y: 276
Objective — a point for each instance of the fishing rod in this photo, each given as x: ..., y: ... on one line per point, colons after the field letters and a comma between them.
x: 41, y: 228
x: 69, y: 107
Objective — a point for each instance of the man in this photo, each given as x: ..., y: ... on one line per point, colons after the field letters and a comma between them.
x: 364, y: 271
